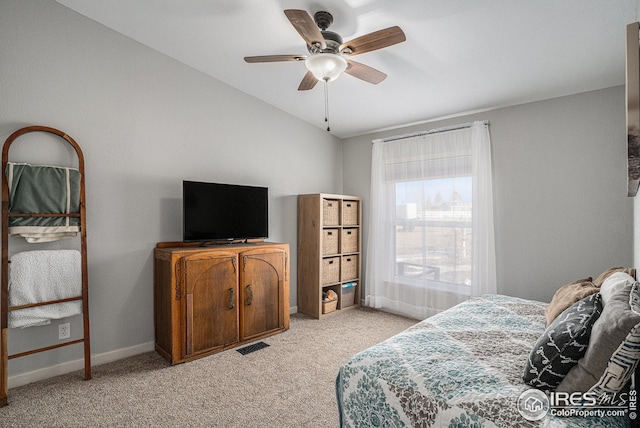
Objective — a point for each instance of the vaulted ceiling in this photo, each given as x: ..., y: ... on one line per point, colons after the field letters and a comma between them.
x: 458, y: 57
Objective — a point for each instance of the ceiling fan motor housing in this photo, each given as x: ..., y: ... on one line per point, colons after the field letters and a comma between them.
x: 332, y: 40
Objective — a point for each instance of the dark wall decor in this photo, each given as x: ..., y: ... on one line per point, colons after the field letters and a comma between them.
x: 633, y: 108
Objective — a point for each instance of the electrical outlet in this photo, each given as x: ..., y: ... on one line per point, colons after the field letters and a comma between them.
x: 64, y: 331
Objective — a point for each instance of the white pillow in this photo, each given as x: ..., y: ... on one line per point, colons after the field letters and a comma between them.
x: 613, y: 283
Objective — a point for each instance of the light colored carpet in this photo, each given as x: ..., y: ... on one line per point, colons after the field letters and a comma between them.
x: 289, y: 384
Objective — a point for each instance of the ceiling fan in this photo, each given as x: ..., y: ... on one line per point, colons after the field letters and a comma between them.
x: 328, y: 55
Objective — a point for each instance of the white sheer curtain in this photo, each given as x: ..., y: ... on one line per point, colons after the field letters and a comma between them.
x: 431, y: 236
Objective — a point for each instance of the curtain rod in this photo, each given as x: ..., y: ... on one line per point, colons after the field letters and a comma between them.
x: 431, y: 131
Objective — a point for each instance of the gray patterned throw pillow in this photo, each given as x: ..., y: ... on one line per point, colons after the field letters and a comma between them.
x: 562, y: 344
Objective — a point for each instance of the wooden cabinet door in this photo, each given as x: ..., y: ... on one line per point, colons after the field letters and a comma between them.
x: 210, y: 304
x: 262, y: 287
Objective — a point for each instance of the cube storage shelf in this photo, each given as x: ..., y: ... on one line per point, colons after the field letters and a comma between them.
x: 329, y: 251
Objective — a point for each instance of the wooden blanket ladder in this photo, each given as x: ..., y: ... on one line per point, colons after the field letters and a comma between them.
x: 4, y: 290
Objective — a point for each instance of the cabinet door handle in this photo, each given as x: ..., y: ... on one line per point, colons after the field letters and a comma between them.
x: 250, y: 290
x: 232, y: 300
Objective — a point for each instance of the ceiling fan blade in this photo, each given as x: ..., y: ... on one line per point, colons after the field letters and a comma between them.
x: 306, y: 27
x: 364, y: 72
x: 373, y: 41
x: 274, y: 58
x: 308, y: 82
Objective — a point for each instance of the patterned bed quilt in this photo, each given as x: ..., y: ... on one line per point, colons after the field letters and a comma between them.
x: 460, y: 368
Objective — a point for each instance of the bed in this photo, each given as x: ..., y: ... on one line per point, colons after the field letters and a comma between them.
x: 460, y: 368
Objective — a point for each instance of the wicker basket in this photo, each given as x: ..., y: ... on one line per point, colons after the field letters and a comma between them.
x: 350, y: 240
x: 349, y: 267
x: 330, y: 212
x: 330, y: 270
x: 350, y: 213
x: 329, y: 306
x: 330, y: 242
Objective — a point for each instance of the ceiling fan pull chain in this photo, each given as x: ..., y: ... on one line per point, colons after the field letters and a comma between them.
x: 326, y: 104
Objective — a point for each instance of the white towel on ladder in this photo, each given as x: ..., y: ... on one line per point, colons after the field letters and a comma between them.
x: 40, y: 276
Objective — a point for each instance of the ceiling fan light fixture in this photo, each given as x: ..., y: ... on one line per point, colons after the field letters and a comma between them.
x: 326, y: 66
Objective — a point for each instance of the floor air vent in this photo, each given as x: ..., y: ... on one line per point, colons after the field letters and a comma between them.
x: 253, y: 347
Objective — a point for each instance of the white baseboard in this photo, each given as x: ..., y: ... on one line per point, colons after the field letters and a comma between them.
x: 96, y: 360
x: 72, y: 366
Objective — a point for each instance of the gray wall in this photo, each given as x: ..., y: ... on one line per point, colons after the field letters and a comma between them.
x: 561, y: 210
x: 145, y: 123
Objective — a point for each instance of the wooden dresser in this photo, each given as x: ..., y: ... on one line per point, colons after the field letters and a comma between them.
x: 207, y: 299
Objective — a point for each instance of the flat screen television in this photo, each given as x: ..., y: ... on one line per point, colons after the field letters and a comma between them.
x: 224, y: 212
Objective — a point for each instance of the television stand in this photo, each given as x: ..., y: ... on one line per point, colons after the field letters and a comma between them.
x: 210, y: 299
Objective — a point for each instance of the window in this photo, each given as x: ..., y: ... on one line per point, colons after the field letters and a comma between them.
x: 433, y: 233
x: 430, y: 237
